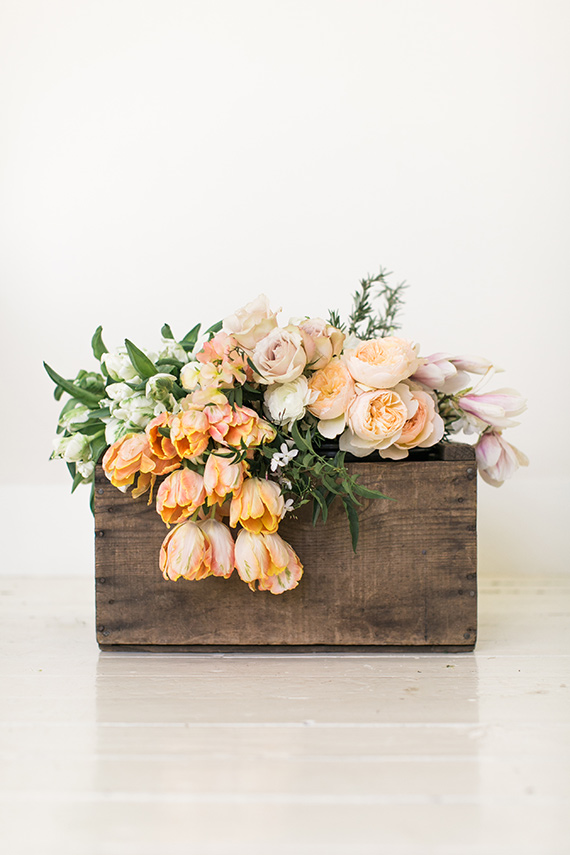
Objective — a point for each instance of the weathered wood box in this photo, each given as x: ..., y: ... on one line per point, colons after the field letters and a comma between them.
x: 411, y: 585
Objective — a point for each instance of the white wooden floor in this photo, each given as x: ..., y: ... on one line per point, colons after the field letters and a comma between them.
x: 150, y: 754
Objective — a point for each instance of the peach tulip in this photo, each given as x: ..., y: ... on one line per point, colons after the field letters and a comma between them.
x: 185, y: 552
x: 222, y: 477
x: 131, y: 455
x: 258, y: 506
x: 221, y: 559
x: 180, y: 495
x: 268, y: 561
x: 160, y: 445
x: 190, y: 433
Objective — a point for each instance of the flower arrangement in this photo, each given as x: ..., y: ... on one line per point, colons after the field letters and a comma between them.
x: 250, y: 420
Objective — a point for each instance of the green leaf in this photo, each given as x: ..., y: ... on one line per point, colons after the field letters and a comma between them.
x: 164, y: 432
x: 97, y: 344
x: 71, y: 468
x: 98, y: 446
x: 367, y: 493
x: 299, y: 440
x: 170, y: 360
x: 101, y: 413
x: 140, y: 361
x: 321, y: 505
x: 76, y: 482
x: 166, y: 332
x: 57, y: 393
x: 353, y: 522
x: 215, y: 328
x: 89, y: 398
x: 191, y: 338
x: 339, y: 459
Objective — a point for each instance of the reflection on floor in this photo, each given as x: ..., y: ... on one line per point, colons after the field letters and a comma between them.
x: 157, y: 754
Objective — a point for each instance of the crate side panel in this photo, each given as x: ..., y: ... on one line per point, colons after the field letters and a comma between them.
x: 412, y: 581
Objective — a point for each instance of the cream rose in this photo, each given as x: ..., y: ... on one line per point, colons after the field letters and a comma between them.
x: 376, y: 419
x: 382, y: 363
x: 279, y: 357
x: 250, y: 324
x: 285, y: 403
x: 321, y: 341
x: 424, y: 429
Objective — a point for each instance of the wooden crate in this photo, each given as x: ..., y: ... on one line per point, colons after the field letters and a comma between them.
x: 411, y: 585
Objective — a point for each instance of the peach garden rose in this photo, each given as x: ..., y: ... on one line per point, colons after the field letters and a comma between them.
x: 376, y: 419
x: 422, y: 430
x: 382, y: 363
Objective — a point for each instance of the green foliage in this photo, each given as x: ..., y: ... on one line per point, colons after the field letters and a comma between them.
x: 91, y: 399
x: 144, y: 367
x: 97, y: 344
x: 364, y: 321
x: 190, y: 339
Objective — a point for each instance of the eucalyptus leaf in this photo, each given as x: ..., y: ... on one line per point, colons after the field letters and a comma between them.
x: 144, y: 367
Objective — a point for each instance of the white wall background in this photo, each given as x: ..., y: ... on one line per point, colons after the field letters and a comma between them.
x: 168, y: 161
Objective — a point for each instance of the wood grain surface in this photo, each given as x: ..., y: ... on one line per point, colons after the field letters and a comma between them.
x: 411, y: 584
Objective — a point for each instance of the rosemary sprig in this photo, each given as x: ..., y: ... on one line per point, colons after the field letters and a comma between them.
x: 364, y: 322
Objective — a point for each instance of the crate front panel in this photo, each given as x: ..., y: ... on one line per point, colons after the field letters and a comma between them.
x: 412, y: 581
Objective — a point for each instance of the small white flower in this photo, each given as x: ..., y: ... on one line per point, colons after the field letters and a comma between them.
x: 288, y: 507
x: 283, y: 457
